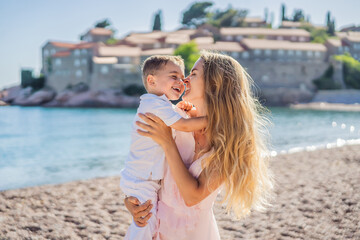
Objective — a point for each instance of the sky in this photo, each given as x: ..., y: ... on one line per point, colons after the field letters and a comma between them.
x: 25, y: 25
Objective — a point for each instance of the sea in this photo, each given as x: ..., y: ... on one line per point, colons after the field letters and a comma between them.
x: 55, y: 145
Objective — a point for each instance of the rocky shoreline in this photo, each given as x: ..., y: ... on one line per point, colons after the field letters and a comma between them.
x: 47, y: 97
x: 80, y: 96
x: 317, y: 196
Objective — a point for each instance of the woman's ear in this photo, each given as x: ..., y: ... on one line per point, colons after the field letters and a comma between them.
x: 151, y: 81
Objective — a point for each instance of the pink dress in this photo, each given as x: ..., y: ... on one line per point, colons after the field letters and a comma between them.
x: 176, y: 220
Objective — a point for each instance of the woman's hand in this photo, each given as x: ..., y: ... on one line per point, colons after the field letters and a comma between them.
x: 140, y: 213
x: 156, y: 129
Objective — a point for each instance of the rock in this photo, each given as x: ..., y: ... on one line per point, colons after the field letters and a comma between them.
x: 60, y: 99
x: 103, y: 98
x: 40, y: 97
x: 77, y: 96
x: 2, y: 103
x: 8, y: 95
x: 80, y: 87
x: 26, y: 97
x: 21, y: 98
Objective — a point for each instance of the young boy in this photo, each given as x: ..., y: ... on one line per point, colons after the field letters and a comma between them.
x: 144, y: 167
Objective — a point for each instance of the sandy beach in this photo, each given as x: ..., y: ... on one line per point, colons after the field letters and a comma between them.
x: 317, y: 196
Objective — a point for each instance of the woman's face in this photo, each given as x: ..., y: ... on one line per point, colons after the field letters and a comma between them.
x: 195, y: 83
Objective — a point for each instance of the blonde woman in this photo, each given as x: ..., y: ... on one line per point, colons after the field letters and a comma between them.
x: 229, y: 154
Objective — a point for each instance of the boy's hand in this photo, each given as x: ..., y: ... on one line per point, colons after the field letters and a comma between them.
x: 184, y: 105
x: 188, y: 108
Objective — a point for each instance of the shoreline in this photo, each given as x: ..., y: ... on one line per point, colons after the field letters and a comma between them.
x: 317, y: 196
x: 325, y: 106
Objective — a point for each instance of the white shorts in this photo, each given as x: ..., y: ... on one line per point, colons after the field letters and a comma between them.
x: 143, y: 190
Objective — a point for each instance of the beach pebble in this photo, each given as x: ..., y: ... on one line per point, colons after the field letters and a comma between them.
x: 316, y: 196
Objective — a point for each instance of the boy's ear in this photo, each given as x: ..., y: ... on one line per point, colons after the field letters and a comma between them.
x: 150, y: 80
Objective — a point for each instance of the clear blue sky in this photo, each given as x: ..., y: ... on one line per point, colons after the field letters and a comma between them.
x: 26, y: 25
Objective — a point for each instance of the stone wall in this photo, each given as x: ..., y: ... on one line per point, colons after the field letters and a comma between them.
x: 283, y: 83
x: 347, y: 96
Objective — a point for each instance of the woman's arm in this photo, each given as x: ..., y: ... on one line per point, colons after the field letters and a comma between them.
x: 141, y: 213
x: 192, y: 190
x: 190, y: 124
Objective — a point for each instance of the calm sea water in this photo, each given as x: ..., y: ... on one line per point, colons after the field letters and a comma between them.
x: 54, y: 145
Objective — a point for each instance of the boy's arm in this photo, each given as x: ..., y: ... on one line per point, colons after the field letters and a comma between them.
x: 190, y: 124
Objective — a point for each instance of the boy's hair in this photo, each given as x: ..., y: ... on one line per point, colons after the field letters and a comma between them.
x: 154, y: 63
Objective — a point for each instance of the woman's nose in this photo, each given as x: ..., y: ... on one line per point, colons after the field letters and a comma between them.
x: 186, y: 80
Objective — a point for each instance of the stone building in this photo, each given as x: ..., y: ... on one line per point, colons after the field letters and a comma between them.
x: 345, y: 42
x: 97, y: 35
x: 254, y: 22
x: 352, y: 41
x: 115, y: 67
x: 67, y: 64
x: 281, y: 61
x: 237, y: 34
x: 290, y: 25
x: 335, y: 47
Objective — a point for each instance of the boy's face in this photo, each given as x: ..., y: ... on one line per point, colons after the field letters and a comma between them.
x: 168, y: 81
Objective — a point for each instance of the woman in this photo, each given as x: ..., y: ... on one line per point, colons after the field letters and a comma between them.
x: 228, y: 153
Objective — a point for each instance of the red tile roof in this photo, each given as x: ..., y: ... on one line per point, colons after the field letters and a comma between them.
x: 62, y: 54
x: 158, y: 51
x: 286, y: 45
x: 254, y: 20
x: 117, y: 51
x: 222, y: 46
x: 84, y: 45
x: 62, y: 44
x: 100, y: 31
x: 265, y: 31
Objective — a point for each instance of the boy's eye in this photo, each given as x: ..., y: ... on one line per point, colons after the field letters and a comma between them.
x: 174, y: 77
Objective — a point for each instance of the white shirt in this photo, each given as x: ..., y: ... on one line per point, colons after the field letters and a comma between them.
x: 146, y: 159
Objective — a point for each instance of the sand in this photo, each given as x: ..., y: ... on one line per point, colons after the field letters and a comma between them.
x: 317, y: 196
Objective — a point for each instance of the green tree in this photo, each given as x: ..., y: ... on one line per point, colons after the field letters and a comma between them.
x: 103, y: 24
x: 134, y: 90
x: 229, y: 18
x: 157, y: 21
x: 190, y: 53
x: 325, y: 82
x: 271, y: 19
x: 298, y: 15
x: 331, y: 28
x: 330, y: 24
x: 328, y: 19
x: 351, y: 70
x: 49, y: 64
x: 266, y: 14
x: 111, y: 41
x: 283, y: 17
x: 196, y: 14
x: 28, y: 80
x: 317, y: 35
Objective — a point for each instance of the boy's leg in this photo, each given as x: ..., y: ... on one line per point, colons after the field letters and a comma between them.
x: 147, y: 232
x: 143, y: 191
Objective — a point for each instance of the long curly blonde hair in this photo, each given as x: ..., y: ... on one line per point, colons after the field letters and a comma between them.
x: 237, y: 135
